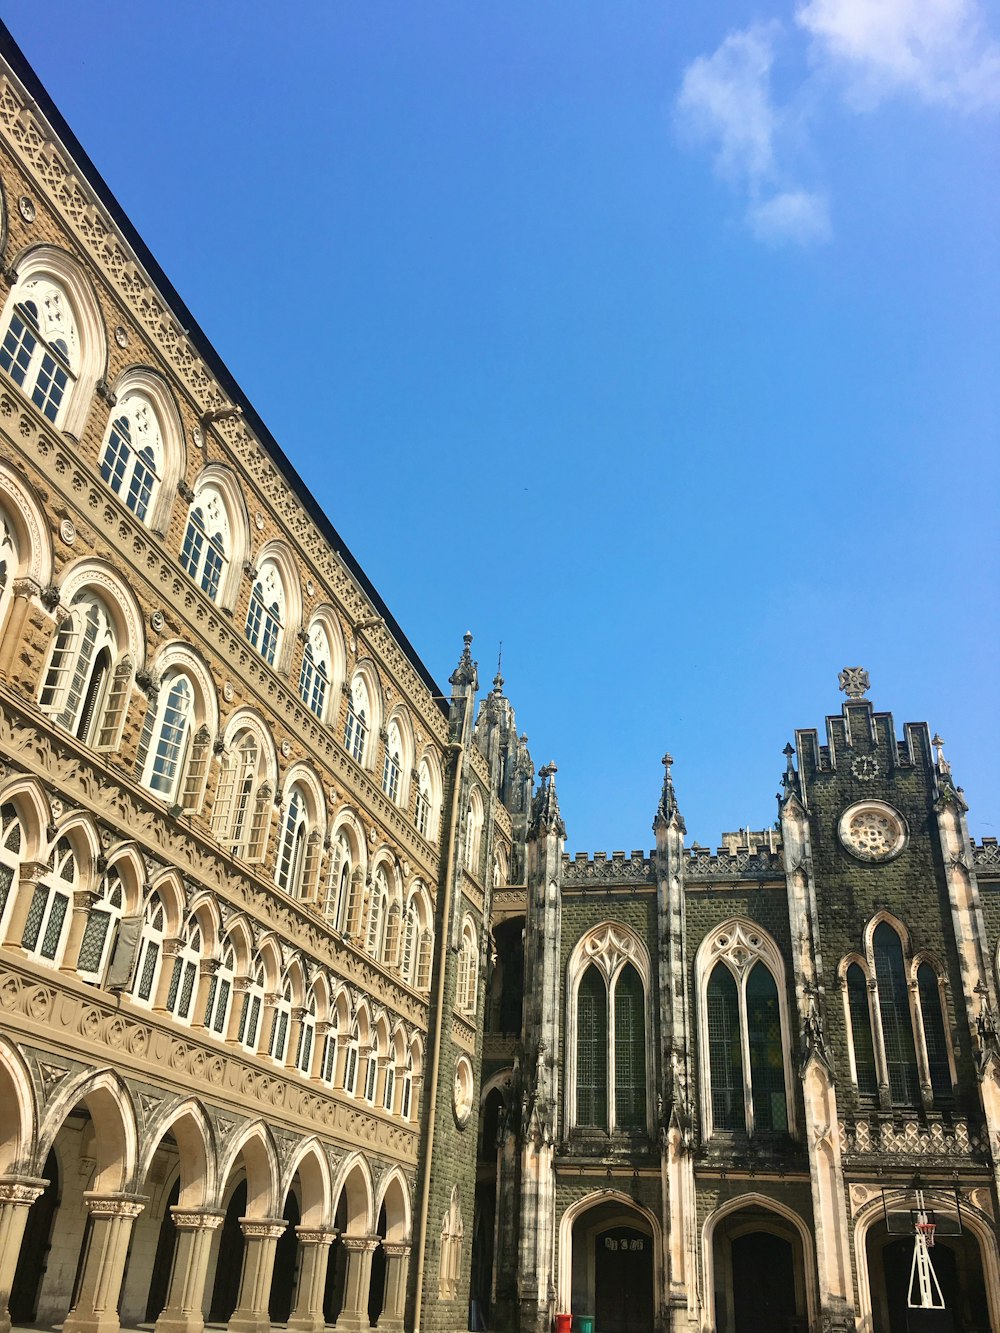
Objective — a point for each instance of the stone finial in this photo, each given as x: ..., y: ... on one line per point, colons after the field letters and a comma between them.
x: 466, y: 673
x: 942, y: 763
x: 668, y: 798
x: 789, y: 779
x: 854, y: 682
x: 545, y: 816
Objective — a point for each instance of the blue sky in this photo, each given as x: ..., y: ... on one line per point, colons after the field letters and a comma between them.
x: 657, y: 341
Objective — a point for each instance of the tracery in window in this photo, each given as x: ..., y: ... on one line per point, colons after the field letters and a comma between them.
x: 392, y: 766
x: 40, y: 349
x: 89, y: 678
x: 358, y: 714
x: 101, y: 928
x: 241, y: 814
x: 894, y: 1012
x: 47, y: 923
x: 935, y: 1038
x: 208, y: 542
x: 266, y: 613
x: 744, y: 1026
x: 314, y: 675
x: 132, y: 462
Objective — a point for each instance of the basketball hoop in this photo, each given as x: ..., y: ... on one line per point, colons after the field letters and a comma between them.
x: 926, y: 1229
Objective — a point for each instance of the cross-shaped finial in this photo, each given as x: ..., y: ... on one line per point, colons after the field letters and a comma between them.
x: 667, y: 760
x: 854, y: 682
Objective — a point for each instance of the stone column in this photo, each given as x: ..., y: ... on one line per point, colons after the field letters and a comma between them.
x: 112, y: 1217
x: 261, y: 1237
x: 314, y: 1256
x: 240, y: 987
x: 354, y: 1314
x: 83, y: 901
x: 397, y: 1262
x: 168, y: 958
x: 29, y: 875
x: 299, y: 1012
x: 207, y: 968
x: 17, y: 1194
x: 23, y: 590
x: 183, y: 1312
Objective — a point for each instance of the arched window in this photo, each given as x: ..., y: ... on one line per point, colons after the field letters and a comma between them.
x: 101, y: 928
x: 389, y: 1085
x: 425, y: 958
x: 266, y: 613
x: 207, y: 542
x: 278, y: 1047
x: 290, y: 870
x: 861, y: 1032
x: 392, y: 767
x: 424, y: 804
x: 390, y: 949
x: 328, y: 1069
x: 253, y: 1004
x: 592, y: 1051
x: 88, y: 682
x: 10, y: 858
x: 10, y: 564
x: 371, y: 1070
x: 220, y: 993
x: 40, y: 350
x: 351, y: 1061
x: 45, y: 927
x: 406, y: 1093
x: 375, y: 938
x: 307, y: 1035
x: 343, y: 896
x: 243, y: 802
x: 314, y: 676
x: 169, y: 744
x: 473, y: 834
x: 356, y: 727
x: 132, y: 462
x: 468, y: 970
x: 151, y: 950
x: 745, y: 1079
x: 725, y: 1050
x: 935, y: 1039
x: 630, y: 1050
x: 894, y: 1012
x: 184, y: 978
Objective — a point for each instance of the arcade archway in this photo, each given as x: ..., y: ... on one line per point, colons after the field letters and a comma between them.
x: 613, y: 1266
x: 759, y: 1276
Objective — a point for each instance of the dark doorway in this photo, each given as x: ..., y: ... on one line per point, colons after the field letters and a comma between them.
x: 226, y: 1291
x: 286, y: 1254
x: 336, y: 1272
x: 763, y: 1283
x: 159, y: 1280
x: 32, y: 1261
x: 958, y: 1267
x: 376, y: 1287
x: 623, y: 1280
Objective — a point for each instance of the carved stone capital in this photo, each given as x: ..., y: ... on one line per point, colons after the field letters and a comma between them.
x: 396, y: 1249
x: 263, y: 1228
x: 360, y: 1244
x: 114, y: 1205
x: 26, y: 588
x: 316, y: 1235
x: 207, y: 967
x: 21, y: 1189
x: 191, y: 1219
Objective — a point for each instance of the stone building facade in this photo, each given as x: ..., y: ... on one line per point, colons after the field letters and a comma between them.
x: 306, y: 1017
x: 736, y: 1069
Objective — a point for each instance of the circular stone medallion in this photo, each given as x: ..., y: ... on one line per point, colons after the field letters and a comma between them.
x: 872, y: 831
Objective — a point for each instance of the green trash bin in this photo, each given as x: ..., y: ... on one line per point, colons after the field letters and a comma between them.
x: 585, y: 1323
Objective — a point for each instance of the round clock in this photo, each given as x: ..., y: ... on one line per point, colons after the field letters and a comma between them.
x: 864, y: 767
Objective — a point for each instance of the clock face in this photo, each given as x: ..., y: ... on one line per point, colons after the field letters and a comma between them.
x: 864, y: 767
x: 872, y: 831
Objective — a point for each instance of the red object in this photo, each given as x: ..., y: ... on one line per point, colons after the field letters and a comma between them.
x: 564, y: 1323
x: 926, y: 1229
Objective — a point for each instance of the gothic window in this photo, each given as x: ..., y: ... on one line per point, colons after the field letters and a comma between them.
x: 40, y: 346
x: 356, y: 727
x: 371, y: 1071
x: 307, y: 1036
x: 392, y: 767
x: 340, y: 889
x: 100, y: 930
x: 207, y: 542
x: 278, y: 1048
x: 328, y: 1069
x: 606, y: 996
x: 10, y: 857
x: 46, y: 925
x: 184, y: 978
x: 389, y: 1089
x: 314, y: 676
x: 473, y: 834
x: 242, y: 809
x: 406, y: 1091
x: 935, y: 1040
x: 220, y: 993
x: 390, y: 947
x: 894, y: 1012
x: 861, y: 1032
x: 375, y: 939
x: 744, y: 1032
x: 248, y: 1033
x: 351, y: 1061
x: 266, y: 613
x: 9, y: 566
x: 290, y: 873
x: 424, y: 957
x: 151, y: 951
x: 132, y: 463
x: 423, y: 806
x: 87, y: 683
x: 468, y: 970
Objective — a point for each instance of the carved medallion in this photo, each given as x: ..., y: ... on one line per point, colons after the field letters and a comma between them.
x: 872, y: 831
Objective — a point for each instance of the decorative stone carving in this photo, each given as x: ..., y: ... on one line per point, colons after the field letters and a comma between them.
x: 854, y: 682
x: 872, y: 831
x: 26, y: 207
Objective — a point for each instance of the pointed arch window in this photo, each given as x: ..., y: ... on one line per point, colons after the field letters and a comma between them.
x: 351, y: 1061
x: 389, y: 1085
x: 132, y: 463
x: 356, y: 727
x: 10, y: 859
x: 468, y: 970
x: 314, y: 676
x: 45, y: 926
x: 250, y: 1013
x: 220, y: 993
x: 282, y: 1017
x: 87, y: 683
x: 242, y: 802
x: 423, y: 806
x: 725, y: 1050
x: 861, y: 1032
x: 100, y: 930
x: 290, y: 872
x: 184, y: 978
x: 607, y: 1079
x: 592, y: 1051
x: 307, y: 1036
x: 935, y: 1038
x: 207, y: 543
x: 630, y: 1050
x: 392, y: 766
x: 265, y: 615
x: 151, y: 950
x: 894, y: 1012
x: 375, y: 938
x: 40, y: 346
x: 767, y: 1061
x: 173, y: 726
x: 328, y: 1069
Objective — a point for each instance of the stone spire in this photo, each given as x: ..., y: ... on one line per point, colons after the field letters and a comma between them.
x: 467, y: 671
x: 789, y: 779
x: 545, y: 816
x: 668, y: 811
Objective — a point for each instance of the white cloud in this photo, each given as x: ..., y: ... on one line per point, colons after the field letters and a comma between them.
x: 938, y: 49
x: 794, y: 215
x: 725, y: 101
